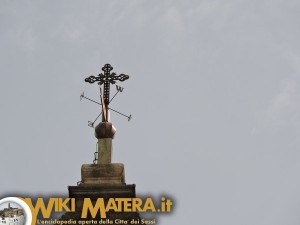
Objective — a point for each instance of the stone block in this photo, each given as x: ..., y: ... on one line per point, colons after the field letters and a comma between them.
x: 101, y: 191
x: 112, y: 173
x: 104, y: 150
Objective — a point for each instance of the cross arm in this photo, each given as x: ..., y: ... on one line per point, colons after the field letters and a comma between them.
x: 121, y: 77
x: 92, y: 79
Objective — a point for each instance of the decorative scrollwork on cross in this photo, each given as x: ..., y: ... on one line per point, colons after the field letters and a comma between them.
x: 107, y: 78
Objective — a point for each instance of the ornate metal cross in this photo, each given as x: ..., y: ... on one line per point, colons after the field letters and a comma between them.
x: 107, y: 78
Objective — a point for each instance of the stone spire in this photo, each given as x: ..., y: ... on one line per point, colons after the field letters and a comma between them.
x: 104, y: 171
x: 104, y: 179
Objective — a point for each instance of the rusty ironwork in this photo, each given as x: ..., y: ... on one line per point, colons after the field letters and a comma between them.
x: 106, y: 79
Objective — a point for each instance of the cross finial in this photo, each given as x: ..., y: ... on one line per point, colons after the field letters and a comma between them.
x: 107, y: 78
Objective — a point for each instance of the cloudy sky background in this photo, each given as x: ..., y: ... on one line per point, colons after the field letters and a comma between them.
x: 213, y: 90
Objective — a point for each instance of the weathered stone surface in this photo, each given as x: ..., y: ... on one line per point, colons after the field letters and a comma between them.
x: 104, y: 150
x: 101, y: 191
x: 112, y: 173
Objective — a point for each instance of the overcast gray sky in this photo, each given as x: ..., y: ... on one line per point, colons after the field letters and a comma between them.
x: 213, y: 90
